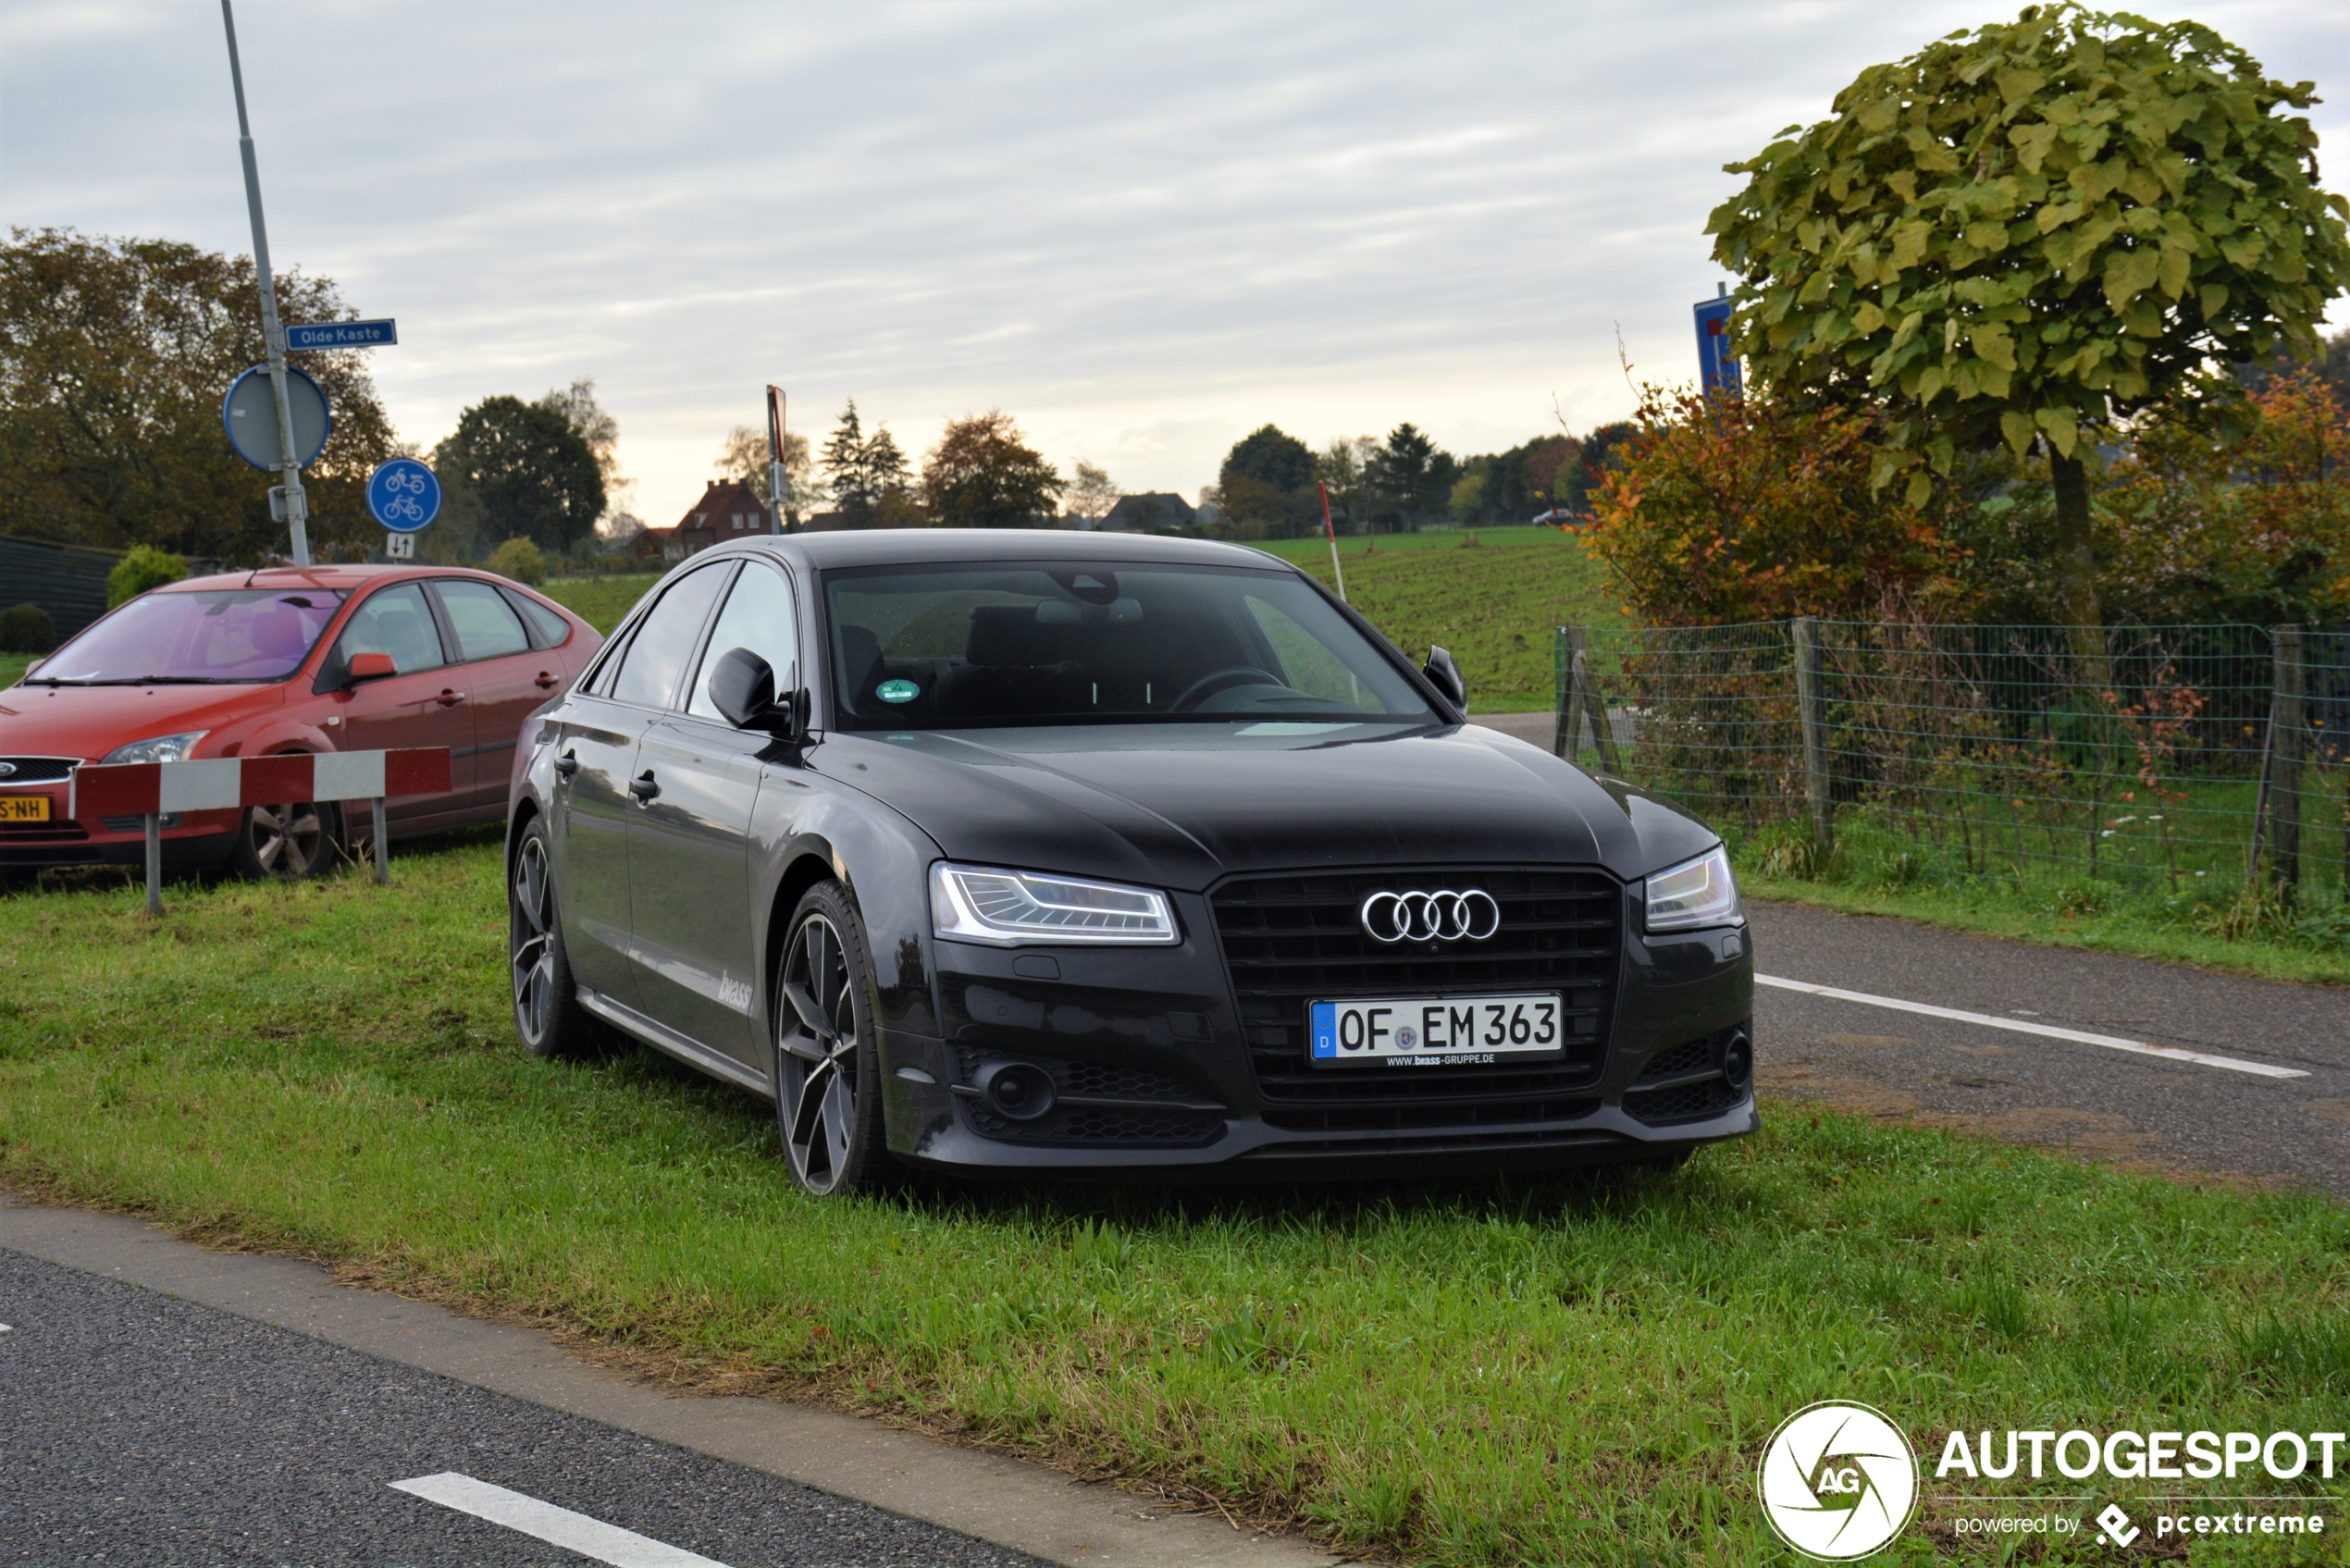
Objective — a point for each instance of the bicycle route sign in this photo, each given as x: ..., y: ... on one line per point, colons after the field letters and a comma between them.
x: 403, y: 495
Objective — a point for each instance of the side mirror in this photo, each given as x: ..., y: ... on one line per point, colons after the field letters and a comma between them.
x: 742, y: 686
x: 369, y: 667
x: 1446, y: 675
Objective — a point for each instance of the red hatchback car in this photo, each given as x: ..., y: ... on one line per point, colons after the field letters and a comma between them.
x: 254, y: 664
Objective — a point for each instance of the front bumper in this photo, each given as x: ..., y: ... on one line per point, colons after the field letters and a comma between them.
x: 1158, y: 1073
x: 192, y: 838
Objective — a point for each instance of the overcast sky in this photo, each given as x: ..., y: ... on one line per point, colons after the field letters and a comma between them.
x: 1142, y: 230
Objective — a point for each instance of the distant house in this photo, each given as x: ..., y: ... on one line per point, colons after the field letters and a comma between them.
x: 1141, y: 514
x: 727, y: 509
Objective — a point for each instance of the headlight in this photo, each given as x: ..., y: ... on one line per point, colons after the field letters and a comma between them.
x: 982, y: 904
x: 1695, y: 892
x: 159, y: 748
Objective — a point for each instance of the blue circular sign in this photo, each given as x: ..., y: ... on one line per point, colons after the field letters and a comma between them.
x: 250, y: 414
x: 403, y: 495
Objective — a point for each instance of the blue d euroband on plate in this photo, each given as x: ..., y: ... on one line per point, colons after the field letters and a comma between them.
x: 897, y: 691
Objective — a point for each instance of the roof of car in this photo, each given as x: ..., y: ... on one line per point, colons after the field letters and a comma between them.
x: 888, y: 547
x: 346, y: 578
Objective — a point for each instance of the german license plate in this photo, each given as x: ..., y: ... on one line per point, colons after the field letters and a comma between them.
x: 1430, y: 1032
x: 24, y: 808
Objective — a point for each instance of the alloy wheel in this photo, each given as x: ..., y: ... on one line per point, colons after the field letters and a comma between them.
x: 531, y: 942
x: 816, y: 1054
x: 284, y: 839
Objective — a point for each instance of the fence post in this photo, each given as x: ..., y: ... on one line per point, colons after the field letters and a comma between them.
x: 1815, y: 733
x: 1561, y: 682
x: 154, y: 865
x: 1587, y: 693
x: 2286, y: 722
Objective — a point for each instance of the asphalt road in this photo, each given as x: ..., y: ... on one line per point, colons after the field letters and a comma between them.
x: 139, y: 1428
x: 2131, y: 1110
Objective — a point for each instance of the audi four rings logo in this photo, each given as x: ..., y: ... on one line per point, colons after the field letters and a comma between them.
x: 1442, y: 916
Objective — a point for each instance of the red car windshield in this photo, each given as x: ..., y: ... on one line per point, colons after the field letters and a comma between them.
x: 228, y: 635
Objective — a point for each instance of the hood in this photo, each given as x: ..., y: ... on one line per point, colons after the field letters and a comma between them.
x: 89, y: 721
x: 1183, y: 805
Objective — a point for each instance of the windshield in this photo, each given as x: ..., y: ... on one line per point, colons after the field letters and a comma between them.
x: 957, y: 645
x: 232, y: 635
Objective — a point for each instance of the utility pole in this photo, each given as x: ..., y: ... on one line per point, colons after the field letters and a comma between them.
x: 778, y: 478
x: 288, y: 494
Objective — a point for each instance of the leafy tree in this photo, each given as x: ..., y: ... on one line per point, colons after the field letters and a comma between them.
x: 1266, y: 485
x: 114, y: 357
x: 580, y: 410
x: 745, y: 458
x: 1339, y: 467
x: 530, y: 474
x: 982, y: 474
x: 1727, y: 511
x: 1090, y: 494
x: 1468, y: 501
x: 145, y: 567
x: 1270, y: 456
x: 1599, y: 455
x: 2031, y: 232
x: 520, y: 560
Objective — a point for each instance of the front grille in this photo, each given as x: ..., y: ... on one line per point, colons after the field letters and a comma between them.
x: 138, y: 824
x: 1133, y: 1124
x: 1296, y: 939
x: 1690, y: 1101
x: 39, y: 770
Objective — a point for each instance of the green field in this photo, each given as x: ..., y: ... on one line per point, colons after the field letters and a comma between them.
x: 600, y: 601
x: 12, y: 667
x: 1491, y: 1373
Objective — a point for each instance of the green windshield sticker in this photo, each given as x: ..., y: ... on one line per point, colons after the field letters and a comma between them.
x: 897, y: 691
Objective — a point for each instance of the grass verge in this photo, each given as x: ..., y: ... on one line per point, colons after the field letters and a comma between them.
x: 1472, y: 1373
x: 2211, y: 925
x: 600, y: 601
x: 13, y: 666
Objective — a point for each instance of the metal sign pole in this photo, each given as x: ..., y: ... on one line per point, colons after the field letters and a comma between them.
x: 778, y: 481
x: 289, y: 457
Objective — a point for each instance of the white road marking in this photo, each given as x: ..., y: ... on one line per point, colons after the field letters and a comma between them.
x: 560, y: 1526
x: 1988, y: 1020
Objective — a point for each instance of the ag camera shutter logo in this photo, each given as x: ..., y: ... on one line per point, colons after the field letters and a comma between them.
x: 1837, y: 1481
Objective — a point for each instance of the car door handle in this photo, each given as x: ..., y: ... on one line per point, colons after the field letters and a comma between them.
x: 545, y: 681
x: 449, y: 698
x: 566, y: 764
x: 644, y: 788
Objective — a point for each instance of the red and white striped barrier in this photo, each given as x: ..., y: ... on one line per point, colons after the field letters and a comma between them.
x: 153, y: 790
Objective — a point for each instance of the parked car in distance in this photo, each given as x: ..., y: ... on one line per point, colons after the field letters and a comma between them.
x: 287, y: 659
x: 997, y: 851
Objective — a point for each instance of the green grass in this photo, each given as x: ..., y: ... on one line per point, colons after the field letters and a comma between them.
x: 13, y: 666
x: 1467, y: 1373
x: 1490, y: 597
x: 600, y: 601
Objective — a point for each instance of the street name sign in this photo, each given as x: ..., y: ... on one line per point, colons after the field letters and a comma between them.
x: 345, y: 335
x: 250, y: 414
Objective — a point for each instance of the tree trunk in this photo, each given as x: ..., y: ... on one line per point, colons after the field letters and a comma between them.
x: 2077, y: 572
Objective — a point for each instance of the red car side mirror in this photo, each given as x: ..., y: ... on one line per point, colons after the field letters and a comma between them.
x: 369, y: 667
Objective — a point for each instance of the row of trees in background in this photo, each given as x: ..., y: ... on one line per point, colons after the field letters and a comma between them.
x: 982, y: 473
x: 1271, y: 484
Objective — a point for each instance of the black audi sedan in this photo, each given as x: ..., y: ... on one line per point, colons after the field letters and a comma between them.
x: 989, y: 851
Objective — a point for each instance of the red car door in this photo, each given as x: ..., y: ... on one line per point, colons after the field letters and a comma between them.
x: 424, y: 704
x: 509, y: 680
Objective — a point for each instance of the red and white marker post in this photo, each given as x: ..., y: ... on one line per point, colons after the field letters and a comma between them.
x: 153, y: 790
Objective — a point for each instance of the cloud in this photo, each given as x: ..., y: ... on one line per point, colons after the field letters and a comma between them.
x: 1144, y: 231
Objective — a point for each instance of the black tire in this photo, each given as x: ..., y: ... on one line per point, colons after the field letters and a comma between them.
x: 286, y: 842
x: 828, y: 1102
x: 547, y: 1011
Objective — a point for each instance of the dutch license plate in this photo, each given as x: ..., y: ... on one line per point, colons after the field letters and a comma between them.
x: 1428, y: 1032
x: 24, y: 808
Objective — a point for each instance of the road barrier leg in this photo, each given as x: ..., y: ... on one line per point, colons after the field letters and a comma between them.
x: 383, y: 845
x: 154, y: 864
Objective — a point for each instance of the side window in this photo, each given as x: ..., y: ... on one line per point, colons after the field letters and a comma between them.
x: 486, y: 625
x: 546, y: 628
x: 654, y: 665
x: 757, y: 616
x: 395, y: 621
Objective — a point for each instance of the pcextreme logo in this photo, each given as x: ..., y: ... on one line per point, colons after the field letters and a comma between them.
x: 1837, y: 1481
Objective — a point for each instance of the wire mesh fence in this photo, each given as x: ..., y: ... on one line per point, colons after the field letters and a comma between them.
x: 2190, y: 757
